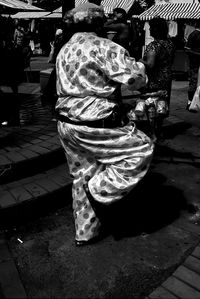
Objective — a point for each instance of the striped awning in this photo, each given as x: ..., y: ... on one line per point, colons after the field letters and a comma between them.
x: 18, y: 5
x: 108, y: 5
x: 58, y: 10
x: 54, y: 15
x: 172, y: 11
x: 30, y: 15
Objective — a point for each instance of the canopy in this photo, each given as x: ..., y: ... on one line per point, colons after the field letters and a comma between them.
x: 53, y: 15
x: 172, y: 11
x: 108, y: 6
x: 17, y: 5
x: 30, y: 15
x: 58, y: 10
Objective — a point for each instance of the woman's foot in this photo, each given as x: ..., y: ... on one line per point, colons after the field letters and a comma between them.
x: 80, y: 243
x: 84, y: 242
x: 101, y: 235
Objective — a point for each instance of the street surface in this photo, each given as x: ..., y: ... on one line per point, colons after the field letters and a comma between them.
x: 146, y: 238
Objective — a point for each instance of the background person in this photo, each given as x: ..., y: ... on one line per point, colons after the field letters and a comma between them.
x: 193, y: 50
x: 119, y: 24
x: 106, y: 155
x: 11, y: 74
x: 21, y: 38
x: 49, y: 95
x: 158, y: 58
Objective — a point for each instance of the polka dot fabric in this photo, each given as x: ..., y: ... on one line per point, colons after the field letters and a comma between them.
x: 112, y: 161
x: 89, y: 70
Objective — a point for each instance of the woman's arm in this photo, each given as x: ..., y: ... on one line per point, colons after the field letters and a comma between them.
x: 122, y: 68
x: 189, y: 51
x: 118, y: 27
x: 109, y: 22
x: 149, y: 60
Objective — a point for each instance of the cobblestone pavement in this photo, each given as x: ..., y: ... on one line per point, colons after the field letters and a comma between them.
x: 33, y: 169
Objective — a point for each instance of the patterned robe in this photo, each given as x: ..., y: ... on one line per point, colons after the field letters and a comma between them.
x: 112, y: 160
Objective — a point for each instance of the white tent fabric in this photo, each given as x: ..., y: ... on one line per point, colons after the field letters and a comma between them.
x: 58, y: 10
x: 30, y: 15
x: 175, y: 1
x: 19, y: 5
x: 109, y: 5
x: 56, y: 15
x: 172, y: 11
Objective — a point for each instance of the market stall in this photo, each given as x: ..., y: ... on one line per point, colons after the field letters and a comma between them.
x: 173, y: 10
x: 27, y: 15
x: 13, y: 6
x: 108, y: 6
x: 179, y: 14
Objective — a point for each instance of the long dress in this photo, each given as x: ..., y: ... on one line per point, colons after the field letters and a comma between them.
x: 160, y: 77
x: 111, y: 160
x: 193, y: 44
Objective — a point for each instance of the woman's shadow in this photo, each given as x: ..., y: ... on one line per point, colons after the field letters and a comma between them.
x: 151, y: 206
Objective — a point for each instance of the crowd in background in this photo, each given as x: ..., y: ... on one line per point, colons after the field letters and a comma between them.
x: 20, y: 40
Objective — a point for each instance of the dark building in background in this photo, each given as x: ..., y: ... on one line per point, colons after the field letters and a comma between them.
x: 67, y: 5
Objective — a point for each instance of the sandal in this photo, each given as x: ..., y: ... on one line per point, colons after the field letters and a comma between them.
x: 80, y: 243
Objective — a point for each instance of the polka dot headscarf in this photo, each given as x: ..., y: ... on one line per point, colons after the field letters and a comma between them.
x: 87, y: 12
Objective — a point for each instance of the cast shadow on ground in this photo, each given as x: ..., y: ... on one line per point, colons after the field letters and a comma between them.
x: 149, y: 207
x: 162, y: 150
x: 173, y: 130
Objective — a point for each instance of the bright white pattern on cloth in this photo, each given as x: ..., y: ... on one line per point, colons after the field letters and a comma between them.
x: 111, y: 160
x: 89, y: 69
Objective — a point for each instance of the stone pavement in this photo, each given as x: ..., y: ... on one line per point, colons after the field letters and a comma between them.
x: 184, y: 282
x: 33, y: 169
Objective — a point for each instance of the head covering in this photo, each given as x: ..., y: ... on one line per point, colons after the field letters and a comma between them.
x: 86, y: 12
x: 59, y: 32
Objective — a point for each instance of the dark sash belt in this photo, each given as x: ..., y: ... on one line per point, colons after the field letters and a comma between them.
x: 93, y: 124
x: 112, y: 121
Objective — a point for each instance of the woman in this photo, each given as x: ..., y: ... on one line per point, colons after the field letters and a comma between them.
x: 107, y: 156
x: 158, y: 59
x: 119, y: 25
x: 193, y: 50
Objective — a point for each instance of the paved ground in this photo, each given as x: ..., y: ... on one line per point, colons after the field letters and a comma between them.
x: 151, y: 246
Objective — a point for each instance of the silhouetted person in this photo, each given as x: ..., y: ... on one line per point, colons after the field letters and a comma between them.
x: 158, y: 59
x: 120, y: 25
x: 193, y: 50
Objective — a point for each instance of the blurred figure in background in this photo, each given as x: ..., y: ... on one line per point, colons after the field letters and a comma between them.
x: 158, y: 58
x: 21, y: 39
x: 193, y: 50
x: 49, y: 96
x: 56, y: 45
x: 119, y: 24
x: 13, y: 63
